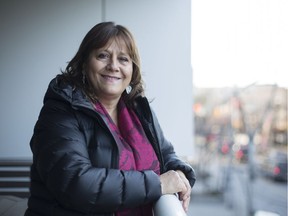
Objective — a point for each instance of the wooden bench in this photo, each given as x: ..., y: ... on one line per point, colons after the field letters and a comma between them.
x: 15, y: 177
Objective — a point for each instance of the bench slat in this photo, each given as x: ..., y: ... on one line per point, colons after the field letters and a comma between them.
x: 13, y: 173
x: 15, y: 177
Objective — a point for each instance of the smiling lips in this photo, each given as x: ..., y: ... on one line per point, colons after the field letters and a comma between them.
x: 110, y: 78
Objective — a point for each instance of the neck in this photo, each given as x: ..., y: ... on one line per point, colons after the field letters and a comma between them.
x: 111, y: 107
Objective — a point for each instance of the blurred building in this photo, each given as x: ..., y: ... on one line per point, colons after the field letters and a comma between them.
x: 226, y: 117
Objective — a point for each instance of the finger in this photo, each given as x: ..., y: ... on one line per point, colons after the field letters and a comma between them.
x: 187, y: 192
x: 185, y: 204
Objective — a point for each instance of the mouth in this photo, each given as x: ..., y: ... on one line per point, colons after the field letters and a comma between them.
x: 110, y: 78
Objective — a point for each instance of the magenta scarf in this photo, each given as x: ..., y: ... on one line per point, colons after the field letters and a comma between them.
x: 135, y: 150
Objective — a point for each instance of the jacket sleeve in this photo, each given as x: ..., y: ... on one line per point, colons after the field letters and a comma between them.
x: 62, y: 162
x: 170, y: 159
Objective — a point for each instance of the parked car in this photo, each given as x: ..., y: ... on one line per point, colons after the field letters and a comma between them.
x: 275, y: 166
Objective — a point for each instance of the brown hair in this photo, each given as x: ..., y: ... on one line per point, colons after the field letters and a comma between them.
x: 97, y: 38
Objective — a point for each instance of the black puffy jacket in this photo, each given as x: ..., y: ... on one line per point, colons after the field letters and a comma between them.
x: 75, y: 159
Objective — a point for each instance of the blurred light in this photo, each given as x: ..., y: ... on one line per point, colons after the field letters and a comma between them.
x: 225, y: 149
x: 242, y: 139
x: 239, y: 154
x: 276, y: 170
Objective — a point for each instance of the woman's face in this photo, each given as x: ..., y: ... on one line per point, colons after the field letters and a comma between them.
x: 109, y: 70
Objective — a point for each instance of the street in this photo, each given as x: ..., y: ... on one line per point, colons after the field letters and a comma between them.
x: 270, y: 195
x: 238, y: 195
x: 259, y: 194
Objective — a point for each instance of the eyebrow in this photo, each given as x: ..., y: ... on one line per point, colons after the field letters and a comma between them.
x: 109, y: 51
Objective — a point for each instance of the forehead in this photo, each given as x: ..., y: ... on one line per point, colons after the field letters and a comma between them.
x: 116, y: 44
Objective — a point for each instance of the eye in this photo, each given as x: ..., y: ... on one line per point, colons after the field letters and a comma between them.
x: 103, y: 56
x: 124, y: 59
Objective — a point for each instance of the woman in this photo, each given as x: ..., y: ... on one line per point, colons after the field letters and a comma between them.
x: 97, y: 146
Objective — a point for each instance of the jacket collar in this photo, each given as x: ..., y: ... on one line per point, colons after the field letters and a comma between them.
x: 60, y: 90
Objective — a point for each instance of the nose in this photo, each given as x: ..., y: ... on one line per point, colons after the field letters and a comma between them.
x: 113, y: 65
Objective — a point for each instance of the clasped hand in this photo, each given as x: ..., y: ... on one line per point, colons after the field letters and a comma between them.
x: 176, y: 182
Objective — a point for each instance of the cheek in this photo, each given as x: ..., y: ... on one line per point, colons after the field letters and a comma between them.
x: 93, y: 70
x: 94, y: 66
x: 129, y: 73
x: 92, y: 76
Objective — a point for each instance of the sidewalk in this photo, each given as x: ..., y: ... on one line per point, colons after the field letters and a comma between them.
x: 207, y: 203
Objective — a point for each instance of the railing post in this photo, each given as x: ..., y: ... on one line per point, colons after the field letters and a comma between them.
x: 168, y: 205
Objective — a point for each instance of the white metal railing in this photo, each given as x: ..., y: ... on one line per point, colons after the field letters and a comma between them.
x: 168, y: 205
x: 265, y: 213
